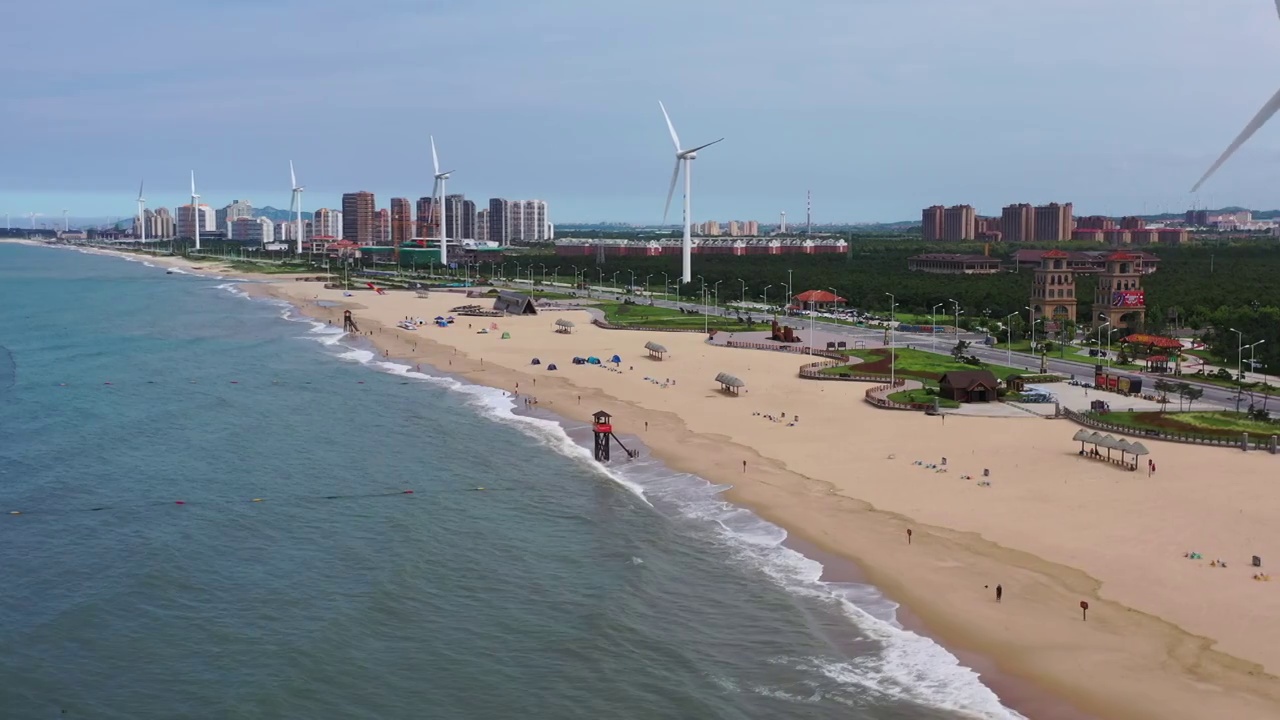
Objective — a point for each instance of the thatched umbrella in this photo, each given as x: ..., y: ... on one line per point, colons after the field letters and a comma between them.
x: 1108, y: 441
x: 1138, y: 449
x: 1125, y: 447
x: 1082, y: 437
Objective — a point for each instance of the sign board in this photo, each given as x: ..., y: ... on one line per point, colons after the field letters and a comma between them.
x: 1128, y: 299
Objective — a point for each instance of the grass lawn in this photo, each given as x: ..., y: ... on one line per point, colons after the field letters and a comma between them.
x: 921, y: 395
x: 1210, y: 379
x: 924, y: 366
x: 1196, y: 423
x: 661, y: 317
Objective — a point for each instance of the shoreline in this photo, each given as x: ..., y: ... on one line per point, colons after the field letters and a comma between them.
x: 1122, y: 663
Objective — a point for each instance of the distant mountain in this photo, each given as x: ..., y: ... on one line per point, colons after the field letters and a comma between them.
x: 277, y: 215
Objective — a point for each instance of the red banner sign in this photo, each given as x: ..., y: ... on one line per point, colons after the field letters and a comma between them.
x: 1128, y: 299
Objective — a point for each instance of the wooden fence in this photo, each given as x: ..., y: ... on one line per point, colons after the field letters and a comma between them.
x: 1243, y: 441
x: 879, y: 396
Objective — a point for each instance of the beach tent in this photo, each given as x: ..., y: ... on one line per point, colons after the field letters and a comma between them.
x: 656, y: 351
x: 593, y: 360
x: 506, y: 336
x: 552, y: 366
x: 535, y: 361
x: 729, y: 383
x: 615, y: 360
x: 438, y: 318
x: 579, y: 361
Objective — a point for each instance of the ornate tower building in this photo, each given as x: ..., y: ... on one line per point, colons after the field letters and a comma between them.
x: 1053, y: 292
x: 1120, y: 298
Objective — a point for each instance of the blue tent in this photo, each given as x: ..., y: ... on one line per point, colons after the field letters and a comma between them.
x: 615, y: 359
x: 593, y: 360
x: 552, y: 366
x: 535, y: 361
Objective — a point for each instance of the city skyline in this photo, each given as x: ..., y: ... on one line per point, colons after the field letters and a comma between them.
x: 870, y: 144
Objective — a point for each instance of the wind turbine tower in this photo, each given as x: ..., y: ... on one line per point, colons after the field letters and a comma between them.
x: 142, y: 213
x: 295, y: 204
x: 33, y: 217
x: 782, y: 226
x: 683, y: 158
x: 1265, y: 114
x: 195, y: 209
x: 441, y: 177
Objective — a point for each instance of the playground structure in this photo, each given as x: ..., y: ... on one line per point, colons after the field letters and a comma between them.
x: 349, y: 322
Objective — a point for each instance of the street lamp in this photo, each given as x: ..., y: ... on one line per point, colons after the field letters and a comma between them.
x: 744, y: 289
x: 555, y: 276
x: 933, y: 326
x: 647, y: 291
x: 633, y: 279
x: 766, y: 297
x: 1031, y: 320
x: 790, y: 289
x: 893, y: 338
x: 705, y: 318
x: 1106, y: 324
x: 1251, y: 347
x: 1009, y: 348
x: 666, y: 286
x: 704, y: 298
x: 1239, y: 355
x: 716, y: 289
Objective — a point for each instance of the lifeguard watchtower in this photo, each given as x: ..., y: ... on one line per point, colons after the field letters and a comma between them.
x: 602, y: 428
x: 1120, y: 299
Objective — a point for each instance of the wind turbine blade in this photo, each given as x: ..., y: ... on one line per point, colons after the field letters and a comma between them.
x: 1254, y: 125
x: 1278, y: 6
x: 141, y: 182
x: 713, y: 142
x: 675, y: 176
x: 293, y: 179
x: 193, y: 182
x: 435, y: 159
x: 676, y: 138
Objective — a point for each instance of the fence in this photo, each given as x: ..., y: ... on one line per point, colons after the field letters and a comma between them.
x: 606, y: 325
x: 1243, y: 441
x: 879, y: 396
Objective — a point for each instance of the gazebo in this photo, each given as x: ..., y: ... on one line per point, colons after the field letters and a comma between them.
x: 656, y: 351
x: 1157, y: 363
x: 564, y: 326
x: 730, y: 384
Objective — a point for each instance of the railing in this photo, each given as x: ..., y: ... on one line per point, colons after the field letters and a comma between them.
x: 606, y: 325
x: 1243, y: 441
x: 879, y: 396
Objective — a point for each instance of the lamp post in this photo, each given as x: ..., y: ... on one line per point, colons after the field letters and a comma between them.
x: 1008, y: 362
x: 615, y: 282
x: 933, y: 326
x: 893, y: 338
x: 705, y: 318
x: 647, y: 291
x: 633, y: 279
x: 1106, y: 324
x: 957, y: 304
x: 1251, y: 347
x: 791, y: 294
x: 744, y: 289
x: 716, y: 289
x: 704, y: 287
x: 555, y: 276
x: 1239, y: 353
x: 1031, y: 320
x: 766, y: 297
x: 666, y: 286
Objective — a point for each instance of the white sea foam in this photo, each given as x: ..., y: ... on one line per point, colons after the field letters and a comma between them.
x: 908, y: 667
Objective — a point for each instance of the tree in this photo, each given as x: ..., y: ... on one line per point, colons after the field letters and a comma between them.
x: 959, y: 350
x: 1193, y: 393
x: 1183, y: 389
x: 1164, y: 387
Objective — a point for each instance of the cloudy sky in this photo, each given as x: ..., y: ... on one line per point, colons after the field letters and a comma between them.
x: 878, y: 106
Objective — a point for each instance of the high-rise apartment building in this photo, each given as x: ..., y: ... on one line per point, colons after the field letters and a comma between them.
x: 958, y: 223
x: 358, y: 223
x: 1197, y: 217
x: 1017, y: 223
x: 1132, y: 223
x: 931, y: 222
x: 326, y: 223
x: 252, y: 231
x: 401, y: 221
x: 453, y: 204
x: 468, y: 216
x: 1096, y: 222
x: 428, y: 221
x: 159, y: 224
x: 1053, y: 222
x: 735, y: 228
x: 237, y: 209
x: 382, y: 226
x: 751, y: 228
x: 482, y: 226
x: 189, y: 218
x: 500, y: 221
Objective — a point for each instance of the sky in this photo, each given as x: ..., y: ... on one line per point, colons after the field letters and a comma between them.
x: 879, y: 107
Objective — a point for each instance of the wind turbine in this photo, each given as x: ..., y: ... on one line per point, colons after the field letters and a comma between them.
x: 684, y: 157
x: 142, y: 212
x: 1254, y: 125
x: 195, y: 209
x: 33, y: 217
x: 65, y: 223
x: 295, y: 204
x: 441, y: 177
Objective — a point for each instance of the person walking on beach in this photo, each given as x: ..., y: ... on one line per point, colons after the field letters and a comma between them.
x: 999, y: 592
x: 744, y: 466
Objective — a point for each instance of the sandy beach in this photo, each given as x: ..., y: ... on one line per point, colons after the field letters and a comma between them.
x: 1166, y: 637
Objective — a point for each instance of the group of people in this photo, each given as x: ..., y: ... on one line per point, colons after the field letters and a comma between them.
x: 795, y: 419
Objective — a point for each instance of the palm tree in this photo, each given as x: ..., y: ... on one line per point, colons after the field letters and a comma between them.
x: 1193, y: 394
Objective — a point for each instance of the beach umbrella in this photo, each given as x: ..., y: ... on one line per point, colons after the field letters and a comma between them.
x: 1124, y: 447
x: 1109, y: 442
x: 1138, y: 448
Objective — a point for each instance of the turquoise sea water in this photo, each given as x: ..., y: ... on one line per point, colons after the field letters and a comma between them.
x: 564, y: 590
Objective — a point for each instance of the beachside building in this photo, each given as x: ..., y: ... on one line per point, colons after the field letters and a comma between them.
x: 968, y: 386
x: 953, y: 264
x: 1120, y: 298
x: 817, y: 300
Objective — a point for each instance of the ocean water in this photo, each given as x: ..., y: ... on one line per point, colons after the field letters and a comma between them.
x: 141, y: 414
